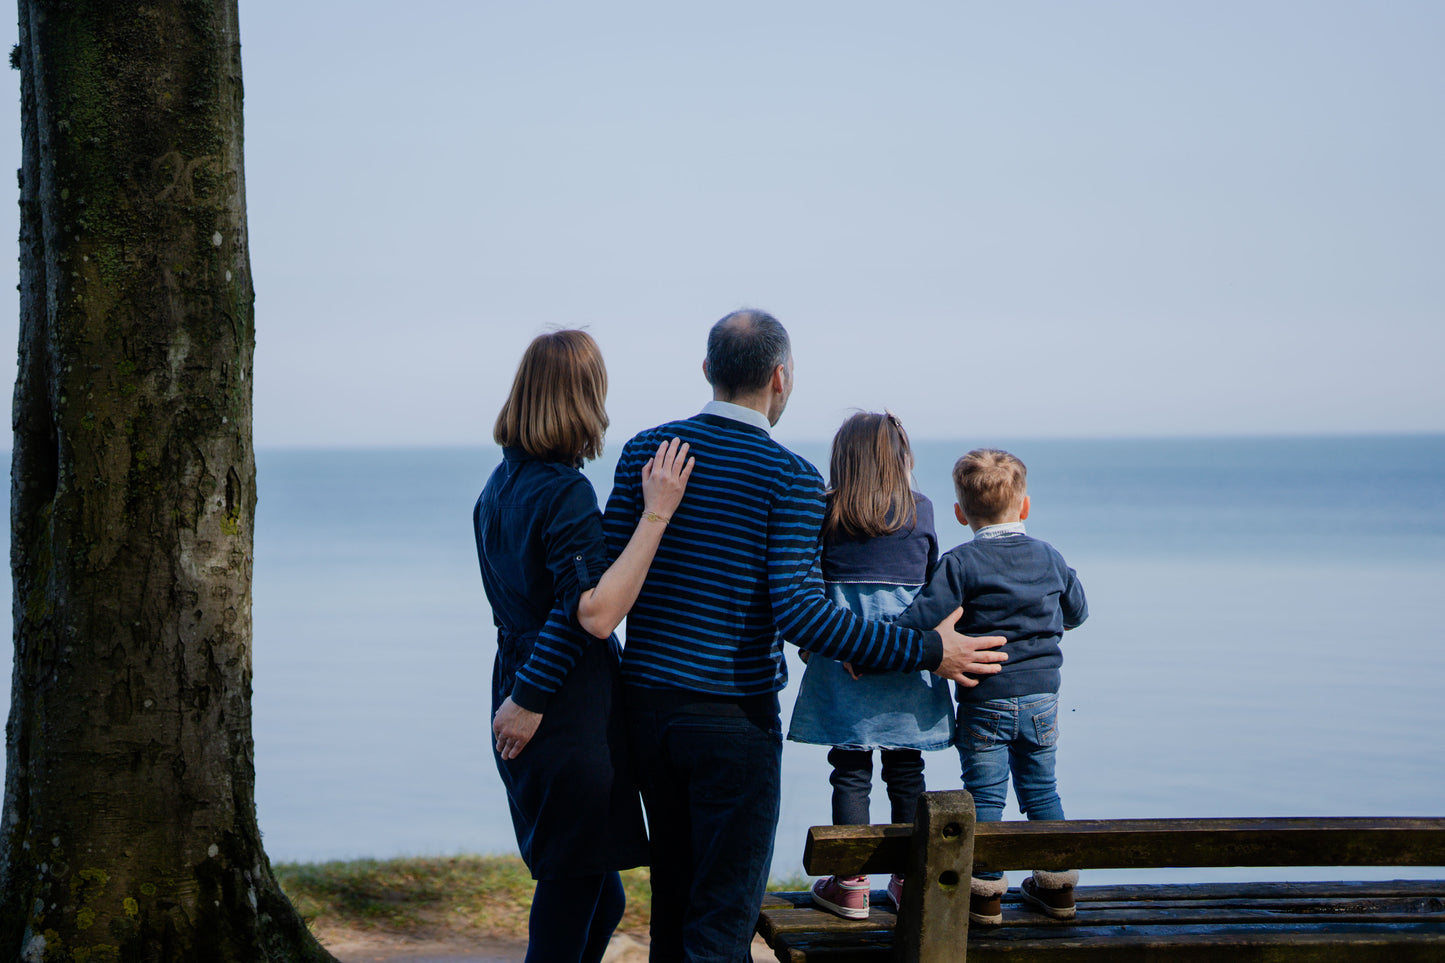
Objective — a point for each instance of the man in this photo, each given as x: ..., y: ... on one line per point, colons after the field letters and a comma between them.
x: 737, y: 571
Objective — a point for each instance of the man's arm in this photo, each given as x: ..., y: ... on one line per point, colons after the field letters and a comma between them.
x: 624, y: 504
x: 944, y: 593
x: 966, y: 656
x: 940, y: 605
x: 806, y: 617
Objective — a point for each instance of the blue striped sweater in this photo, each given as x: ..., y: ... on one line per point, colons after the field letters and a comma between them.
x: 739, y: 569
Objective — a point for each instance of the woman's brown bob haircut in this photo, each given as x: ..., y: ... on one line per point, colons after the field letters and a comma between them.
x: 556, y: 409
x: 868, y: 478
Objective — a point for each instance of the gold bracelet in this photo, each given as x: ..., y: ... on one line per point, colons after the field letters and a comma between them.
x: 653, y: 516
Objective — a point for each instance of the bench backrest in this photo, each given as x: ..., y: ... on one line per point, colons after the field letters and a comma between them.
x: 1145, y: 843
x: 944, y: 846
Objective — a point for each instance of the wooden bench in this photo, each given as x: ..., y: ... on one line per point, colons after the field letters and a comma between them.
x: 1349, y: 922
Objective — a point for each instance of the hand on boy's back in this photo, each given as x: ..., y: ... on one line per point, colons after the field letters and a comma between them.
x: 967, y: 655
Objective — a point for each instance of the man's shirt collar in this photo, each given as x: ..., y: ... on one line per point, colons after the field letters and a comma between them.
x: 748, y: 416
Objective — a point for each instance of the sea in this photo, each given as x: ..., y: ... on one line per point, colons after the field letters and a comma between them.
x: 1265, y: 640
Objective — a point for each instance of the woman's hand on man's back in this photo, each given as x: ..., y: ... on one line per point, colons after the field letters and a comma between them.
x: 664, y: 478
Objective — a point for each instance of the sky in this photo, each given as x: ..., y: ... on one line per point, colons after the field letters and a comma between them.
x: 1000, y: 220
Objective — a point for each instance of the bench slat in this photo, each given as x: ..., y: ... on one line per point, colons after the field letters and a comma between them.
x: 1397, y: 912
x: 793, y: 912
x: 1135, y: 947
x: 1159, y: 892
x: 1209, y: 944
x: 1313, y: 889
x: 1146, y: 843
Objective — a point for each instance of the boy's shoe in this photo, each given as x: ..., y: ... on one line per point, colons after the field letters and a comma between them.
x: 985, y: 901
x: 1057, y: 900
x: 895, y: 892
x: 845, y: 895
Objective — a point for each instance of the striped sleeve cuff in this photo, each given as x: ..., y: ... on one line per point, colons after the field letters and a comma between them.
x: 932, y: 651
x: 530, y: 697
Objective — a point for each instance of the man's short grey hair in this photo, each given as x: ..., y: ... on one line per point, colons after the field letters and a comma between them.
x: 743, y: 349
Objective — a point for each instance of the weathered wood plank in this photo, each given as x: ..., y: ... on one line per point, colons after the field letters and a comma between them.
x: 1132, y: 947
x: 829, y: 950
x: 801, y: 917
x: 1312, y: 889
x: 938, y: 870
x: 1137, y: 843
x: 787, y: 917
x: 855, y: 850
x: 795, y: 922
x: 1155, y: 892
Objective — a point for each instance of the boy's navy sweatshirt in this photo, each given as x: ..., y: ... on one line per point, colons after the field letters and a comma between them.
x: 1015, y: 586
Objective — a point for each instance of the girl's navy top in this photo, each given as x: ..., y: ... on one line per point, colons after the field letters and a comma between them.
x: 540, y: 546
x: 904, y: 557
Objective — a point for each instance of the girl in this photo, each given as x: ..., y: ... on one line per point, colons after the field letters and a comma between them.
x: 878, y: 546
x: 559, y: 745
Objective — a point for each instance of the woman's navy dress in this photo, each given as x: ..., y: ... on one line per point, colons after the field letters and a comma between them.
x: 574, y: 801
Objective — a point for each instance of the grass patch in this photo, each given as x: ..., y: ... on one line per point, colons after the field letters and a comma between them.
x: 473, y: 896
x: 421, y: 897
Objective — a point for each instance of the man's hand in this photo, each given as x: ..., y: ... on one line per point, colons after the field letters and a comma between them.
x: 965, y: 655
x: 513, y: 727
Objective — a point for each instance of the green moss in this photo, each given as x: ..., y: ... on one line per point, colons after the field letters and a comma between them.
x: 132, y: 908
x: 93, y: 881
x: 84, y: 918
x: 37, y: 606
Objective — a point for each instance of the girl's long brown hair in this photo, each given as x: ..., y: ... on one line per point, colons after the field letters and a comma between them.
x: 555, y: 409
x: 868, y: 478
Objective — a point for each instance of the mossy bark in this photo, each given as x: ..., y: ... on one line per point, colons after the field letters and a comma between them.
x: 129, y: 828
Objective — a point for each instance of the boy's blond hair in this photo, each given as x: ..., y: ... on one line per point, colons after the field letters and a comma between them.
x: 989, y: 483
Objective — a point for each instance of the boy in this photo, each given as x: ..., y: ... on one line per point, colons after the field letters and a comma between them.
x: 1018, y: 587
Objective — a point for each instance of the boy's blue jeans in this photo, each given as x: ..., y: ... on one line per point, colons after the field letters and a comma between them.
x: 1015, y: 735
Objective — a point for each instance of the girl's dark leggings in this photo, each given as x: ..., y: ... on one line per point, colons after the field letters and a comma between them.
x: 572, y: 919
x: 852, y: 781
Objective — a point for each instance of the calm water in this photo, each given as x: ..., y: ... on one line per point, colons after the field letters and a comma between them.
x: 1265, y: 639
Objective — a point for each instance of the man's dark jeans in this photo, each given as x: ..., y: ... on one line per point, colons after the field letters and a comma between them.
x: 710, y: 772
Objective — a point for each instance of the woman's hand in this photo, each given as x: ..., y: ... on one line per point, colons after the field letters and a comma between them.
x: 664, y: 478
x: 513, y: 727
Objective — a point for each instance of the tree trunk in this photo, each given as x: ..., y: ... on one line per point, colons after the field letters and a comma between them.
x: 129, y: 826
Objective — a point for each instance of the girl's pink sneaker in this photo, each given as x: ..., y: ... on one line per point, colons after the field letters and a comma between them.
x: 845, y: 895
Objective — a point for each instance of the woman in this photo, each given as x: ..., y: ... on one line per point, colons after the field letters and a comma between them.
x: 555, y: 600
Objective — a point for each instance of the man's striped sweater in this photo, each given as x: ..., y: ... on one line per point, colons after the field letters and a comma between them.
x: 739, y: 569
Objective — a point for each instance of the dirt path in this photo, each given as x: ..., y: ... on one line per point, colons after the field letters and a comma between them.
x: 355, y: 947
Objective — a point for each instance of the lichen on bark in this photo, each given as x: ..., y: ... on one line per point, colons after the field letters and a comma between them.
x: 129, y: 827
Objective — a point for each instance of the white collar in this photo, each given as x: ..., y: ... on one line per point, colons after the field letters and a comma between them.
x: 1001, y: 530
x: 748, y: 416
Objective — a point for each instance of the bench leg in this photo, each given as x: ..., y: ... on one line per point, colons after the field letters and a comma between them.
x: 940, y: 865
